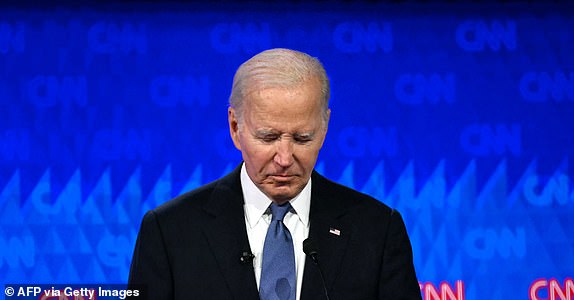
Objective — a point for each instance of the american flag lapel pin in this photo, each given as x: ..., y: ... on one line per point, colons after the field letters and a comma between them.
x: 335, y: 231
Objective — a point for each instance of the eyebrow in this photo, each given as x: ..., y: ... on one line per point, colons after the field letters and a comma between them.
x: 304, y: 135
x: 266, y: 132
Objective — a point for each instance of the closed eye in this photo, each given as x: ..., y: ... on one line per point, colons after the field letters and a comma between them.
x: 303, y: 138
x: 267, y: 137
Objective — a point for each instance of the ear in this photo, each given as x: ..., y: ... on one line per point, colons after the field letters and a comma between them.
x: 233, y: 127
x: 326, y: 126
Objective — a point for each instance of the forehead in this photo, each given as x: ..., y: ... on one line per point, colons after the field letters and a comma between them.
x: 288, y: 108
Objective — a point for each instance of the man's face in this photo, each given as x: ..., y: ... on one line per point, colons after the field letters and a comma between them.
x: 280, y: 135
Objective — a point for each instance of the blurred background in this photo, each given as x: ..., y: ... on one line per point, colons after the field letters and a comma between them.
x: 458, y: 114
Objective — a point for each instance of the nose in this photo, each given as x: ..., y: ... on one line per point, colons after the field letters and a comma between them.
x: 284, y: 153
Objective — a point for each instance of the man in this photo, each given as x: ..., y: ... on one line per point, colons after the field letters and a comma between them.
x: 241, y: 237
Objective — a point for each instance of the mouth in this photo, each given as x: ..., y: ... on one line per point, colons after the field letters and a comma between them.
x: 282, y: 177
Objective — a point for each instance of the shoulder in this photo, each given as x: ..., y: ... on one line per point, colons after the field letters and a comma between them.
x: 201, y: 200
x: 346, y: 197
x: 193, y: 199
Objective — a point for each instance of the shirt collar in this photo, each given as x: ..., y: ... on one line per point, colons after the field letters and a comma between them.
x: 256, y: 202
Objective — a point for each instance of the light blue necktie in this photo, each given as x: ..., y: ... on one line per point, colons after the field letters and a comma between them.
x: 278, y: 269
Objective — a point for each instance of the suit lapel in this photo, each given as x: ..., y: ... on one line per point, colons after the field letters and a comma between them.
x: 329, y: 232
x: 227, y: 236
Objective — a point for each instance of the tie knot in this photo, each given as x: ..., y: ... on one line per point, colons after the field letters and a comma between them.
x: 278, y: 212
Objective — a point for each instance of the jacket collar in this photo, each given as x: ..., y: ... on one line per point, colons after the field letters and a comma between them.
x: 227, y: 236
x: 330, y: 234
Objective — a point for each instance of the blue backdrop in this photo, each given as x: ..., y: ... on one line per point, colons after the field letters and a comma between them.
x: 459, y: 116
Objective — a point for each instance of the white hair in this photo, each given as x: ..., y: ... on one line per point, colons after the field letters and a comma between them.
x: 279, y: 67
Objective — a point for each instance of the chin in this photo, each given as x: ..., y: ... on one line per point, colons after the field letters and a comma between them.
x: 281, y: 197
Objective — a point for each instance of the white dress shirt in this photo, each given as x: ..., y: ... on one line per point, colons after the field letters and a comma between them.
x: 257, y: 223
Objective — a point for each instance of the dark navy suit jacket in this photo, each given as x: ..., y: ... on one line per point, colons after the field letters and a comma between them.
x: 191, y: 247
